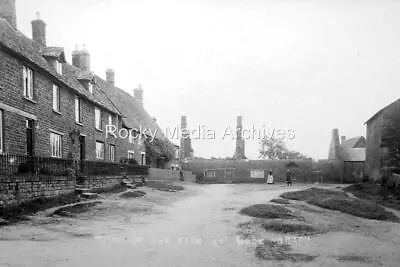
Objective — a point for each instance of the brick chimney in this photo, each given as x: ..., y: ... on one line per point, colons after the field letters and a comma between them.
x: 110, y: 76
x: 8, y: 12
x: 239, y: 151
x: 138, y: 94
x: 39, y: 30
x: 81, y: 58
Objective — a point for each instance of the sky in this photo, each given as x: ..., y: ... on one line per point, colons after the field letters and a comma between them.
x: 305, y: 66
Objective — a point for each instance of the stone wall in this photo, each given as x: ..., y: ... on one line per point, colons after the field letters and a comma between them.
x: 98, y: 182
x: 17, y: 190
x: 164, y: 174
x: 242, y: 168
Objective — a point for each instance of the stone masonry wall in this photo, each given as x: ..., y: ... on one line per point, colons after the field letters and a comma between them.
x: 17, y: 190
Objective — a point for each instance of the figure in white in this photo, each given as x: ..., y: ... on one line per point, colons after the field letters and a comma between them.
x: 270, y: 178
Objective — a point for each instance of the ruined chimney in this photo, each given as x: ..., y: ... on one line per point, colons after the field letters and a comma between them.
x: 110, y: 76
x: 8, y: 12
x: 343, y: 138
x: 81, y: 58
x: 39, y: 30
x: 335, y: 149
x: 138, y: 94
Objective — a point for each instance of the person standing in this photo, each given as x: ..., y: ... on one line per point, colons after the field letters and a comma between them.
x: 289, y: 177
x: 270, y: 178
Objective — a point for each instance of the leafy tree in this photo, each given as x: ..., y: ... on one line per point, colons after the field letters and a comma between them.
x: 274, y: 148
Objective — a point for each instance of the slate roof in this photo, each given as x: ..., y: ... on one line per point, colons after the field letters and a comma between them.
x: 352, y: 142
x: 134, y: 115
x: 353, y: 154
x: 31, y: 51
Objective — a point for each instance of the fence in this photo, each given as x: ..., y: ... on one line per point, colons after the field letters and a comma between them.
x: 27, y: 166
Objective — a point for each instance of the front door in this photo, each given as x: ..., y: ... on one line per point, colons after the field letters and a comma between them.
x: 82, y: 149
x: 29, y: 137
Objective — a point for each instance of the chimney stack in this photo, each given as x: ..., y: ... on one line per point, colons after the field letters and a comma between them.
x: 81, y: 58
x: 110, y: 76
x: 240, y: 144
x: 39, y: 30
x: 8, y: 12
x: 183, y: 122
x: 343, y: 138
x: 138, y: 94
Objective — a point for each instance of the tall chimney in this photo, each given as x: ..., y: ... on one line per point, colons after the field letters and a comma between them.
x: 335, y: 152
x: 239, y: 152
x: 138, y: 94
x: 81, y: 58
x: 39, y: 30
x: 8, y: 12
x: 343, y: 138
x: 183, y: 122
x: 110, y: 76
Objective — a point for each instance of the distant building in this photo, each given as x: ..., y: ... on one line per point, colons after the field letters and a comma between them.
x: 380, y: 140
x: 351, y: 154
x: 240, y: 145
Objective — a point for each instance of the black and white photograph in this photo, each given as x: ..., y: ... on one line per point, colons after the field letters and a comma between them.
x: 200, y: 133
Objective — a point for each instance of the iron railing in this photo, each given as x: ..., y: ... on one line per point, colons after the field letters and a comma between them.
x: 22, y: 165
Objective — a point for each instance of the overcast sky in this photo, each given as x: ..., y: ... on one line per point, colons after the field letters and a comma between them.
x: 309, y: 66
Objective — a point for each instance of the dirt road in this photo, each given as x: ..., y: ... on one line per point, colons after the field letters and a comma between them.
x: 195, y: 227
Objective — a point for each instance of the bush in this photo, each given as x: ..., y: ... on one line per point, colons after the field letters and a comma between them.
x: 290, y: 228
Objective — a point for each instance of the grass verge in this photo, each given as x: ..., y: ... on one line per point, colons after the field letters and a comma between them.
x: 19, y: 213
x: 340, y: 201
x: 132, y: 194
x: 70, y: 211
x: 267, y: 211
x: 280, y: 201
x: 277, y: 251
x: 376, y: 193
x: 290, y: 228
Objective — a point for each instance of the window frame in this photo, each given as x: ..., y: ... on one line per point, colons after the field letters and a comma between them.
x: 78, y: 109
x: 58, y: 67
x: 56, y: 92
x: 60, y: 145
x: 131, y: 153
x: 28, y: 82
x: 97, y: 119
x: 103, y: 148
x: 111, y: 156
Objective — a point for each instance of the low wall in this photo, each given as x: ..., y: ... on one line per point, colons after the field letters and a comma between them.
x: 17, y: 190
x: 242, y: 168
x: 100, y: 182
x: 173, y: 175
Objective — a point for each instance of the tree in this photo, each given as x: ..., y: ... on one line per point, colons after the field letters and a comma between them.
x: 274, y: 148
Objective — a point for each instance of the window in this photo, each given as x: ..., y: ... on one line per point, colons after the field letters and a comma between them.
x: 111, y: 152
x: 56, y: 145
x: 90, y: 87
x: 97, y: 115
x: 56, y: 98
x: 78, y: 117
x: 131, y: 154
x: 1, y: 131
x: 99, y: 150
x: 58, y: 67
x: 110, y: 120
x: 28, y: 82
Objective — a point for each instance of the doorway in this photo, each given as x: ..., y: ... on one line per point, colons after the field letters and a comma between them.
x: 30, y: 137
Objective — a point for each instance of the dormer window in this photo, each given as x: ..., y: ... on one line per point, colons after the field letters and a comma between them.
x: 90, y: 87
x: 58, y: 67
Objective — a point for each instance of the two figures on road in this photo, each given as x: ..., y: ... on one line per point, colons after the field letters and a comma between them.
x: 270, y: 177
